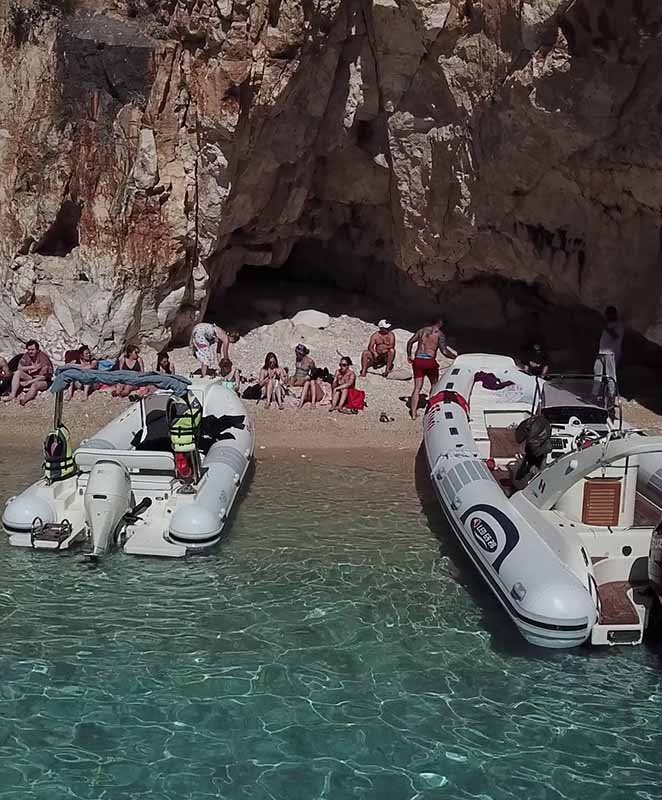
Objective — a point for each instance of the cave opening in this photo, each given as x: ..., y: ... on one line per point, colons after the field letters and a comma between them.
x: 63, y: 235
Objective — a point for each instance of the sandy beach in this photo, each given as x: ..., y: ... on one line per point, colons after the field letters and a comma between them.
x: 291, y: 435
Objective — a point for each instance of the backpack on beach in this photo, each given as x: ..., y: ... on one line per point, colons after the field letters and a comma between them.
x: 355, y: 400
x: 252, y: 392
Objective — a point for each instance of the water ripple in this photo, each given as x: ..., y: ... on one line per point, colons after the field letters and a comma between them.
x: 333, y: 647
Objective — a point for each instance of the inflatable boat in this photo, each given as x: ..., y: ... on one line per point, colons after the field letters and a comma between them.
x: 556, y: 503
x: 160, y: 479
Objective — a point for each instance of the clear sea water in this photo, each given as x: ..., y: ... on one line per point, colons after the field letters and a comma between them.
x: 337, y: 645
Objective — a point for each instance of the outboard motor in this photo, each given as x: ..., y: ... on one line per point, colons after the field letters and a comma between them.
x: 655, y: 561
x: 107, y: 500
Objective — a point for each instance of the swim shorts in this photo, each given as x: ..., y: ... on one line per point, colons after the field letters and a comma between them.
x: 426, y: 368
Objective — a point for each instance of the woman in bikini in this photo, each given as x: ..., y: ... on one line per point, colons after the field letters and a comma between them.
x: 315, y: 390
x: 130, y: 360
x: 84, y: 361
x: 163, y: 363
x: 343, y: 381
x: 273, y: 380
x: 303, y: 365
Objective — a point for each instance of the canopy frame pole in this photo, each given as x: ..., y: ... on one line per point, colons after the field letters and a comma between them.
x: 57, y: 414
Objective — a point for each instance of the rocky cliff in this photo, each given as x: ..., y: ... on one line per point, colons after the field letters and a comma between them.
x: 150, y: 149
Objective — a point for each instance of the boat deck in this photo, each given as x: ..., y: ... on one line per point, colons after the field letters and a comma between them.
x: 503, y: 443
x: 617, y: 608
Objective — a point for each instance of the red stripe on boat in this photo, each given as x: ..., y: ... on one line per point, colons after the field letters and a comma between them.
x: 449, y: 397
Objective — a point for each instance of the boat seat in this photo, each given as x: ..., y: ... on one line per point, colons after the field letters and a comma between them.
x: 133, y: 460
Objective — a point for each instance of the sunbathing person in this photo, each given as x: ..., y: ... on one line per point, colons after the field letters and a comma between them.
x: 272, y: 381
x: 229, y: 374
x: 130, y: 360
x: 33, y: 374
x: 315, y: 389
x: 83, y: 360
x: 304, y: 365
x: 343, y: 381
x: 381, y: 350
x: 163, y: 363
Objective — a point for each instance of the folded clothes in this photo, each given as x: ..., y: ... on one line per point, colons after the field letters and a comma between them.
x: 491, y: 382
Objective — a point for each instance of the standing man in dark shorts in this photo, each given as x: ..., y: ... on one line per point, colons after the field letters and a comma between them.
x: 424, y: 364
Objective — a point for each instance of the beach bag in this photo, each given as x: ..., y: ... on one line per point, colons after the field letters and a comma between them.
x: 252, y: 392
x: 355, y: 400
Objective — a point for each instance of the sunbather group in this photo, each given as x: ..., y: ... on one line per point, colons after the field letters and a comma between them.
x: 29, y: 373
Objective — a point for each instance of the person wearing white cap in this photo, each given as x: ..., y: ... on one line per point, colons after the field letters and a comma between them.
x: 381, y: 350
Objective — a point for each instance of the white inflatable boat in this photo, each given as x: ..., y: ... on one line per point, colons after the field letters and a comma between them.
x: 160, y: 479
x: 568, y: 547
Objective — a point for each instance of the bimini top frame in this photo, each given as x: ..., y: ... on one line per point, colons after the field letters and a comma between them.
x: 177, y: 385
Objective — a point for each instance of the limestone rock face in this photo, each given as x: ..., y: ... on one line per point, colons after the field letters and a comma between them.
x: 150, y: 149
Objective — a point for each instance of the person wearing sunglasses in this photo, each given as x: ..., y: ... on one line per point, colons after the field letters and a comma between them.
x: 343, y: 381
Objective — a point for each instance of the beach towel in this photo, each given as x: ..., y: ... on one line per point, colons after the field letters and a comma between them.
x: 355, y: 400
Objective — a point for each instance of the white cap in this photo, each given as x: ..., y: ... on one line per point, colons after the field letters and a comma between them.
x: 384, y: 324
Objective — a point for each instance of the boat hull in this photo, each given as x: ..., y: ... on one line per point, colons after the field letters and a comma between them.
x: 550, y: 601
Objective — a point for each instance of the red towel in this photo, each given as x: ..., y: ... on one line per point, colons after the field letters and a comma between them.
x: 355, y: 400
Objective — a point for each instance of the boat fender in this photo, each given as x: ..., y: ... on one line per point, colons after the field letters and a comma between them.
x: 445, y: 396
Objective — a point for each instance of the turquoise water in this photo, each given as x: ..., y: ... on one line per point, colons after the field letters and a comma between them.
x: 332, y: 647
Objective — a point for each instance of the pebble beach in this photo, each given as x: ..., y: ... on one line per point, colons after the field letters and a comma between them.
x: 291, y: 434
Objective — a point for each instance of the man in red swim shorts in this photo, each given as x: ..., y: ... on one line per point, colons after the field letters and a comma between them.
x: 424, y: 364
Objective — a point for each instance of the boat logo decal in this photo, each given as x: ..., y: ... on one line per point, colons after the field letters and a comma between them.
x: 484, y: 535
x: 498, y: 541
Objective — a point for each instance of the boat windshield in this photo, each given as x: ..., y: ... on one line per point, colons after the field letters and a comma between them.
x: 591, y: 401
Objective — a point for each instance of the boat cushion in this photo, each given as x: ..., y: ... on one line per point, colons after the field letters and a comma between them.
x: 133, y: 460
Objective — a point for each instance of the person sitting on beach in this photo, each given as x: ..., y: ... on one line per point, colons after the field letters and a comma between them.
x: 230, y: 375
x: 208, y: 341
x: 315, y: 389
x: 163, y: 363
x: 424, y: 364
x: 130, y: 360
x: 343, y: 381
x: 33, y: 374
x: 272, y: 381
x: 5, y: 376
x: 304, y: 365
x: 536, y: 361
x: 381, y: 350
x: 83, y: 360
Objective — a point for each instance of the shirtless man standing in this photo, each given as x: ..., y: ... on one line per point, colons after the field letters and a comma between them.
x: 424, y: 364
x: 381, y: 350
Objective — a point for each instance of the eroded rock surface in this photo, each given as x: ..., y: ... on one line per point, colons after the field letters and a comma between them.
x: 149, y: 149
